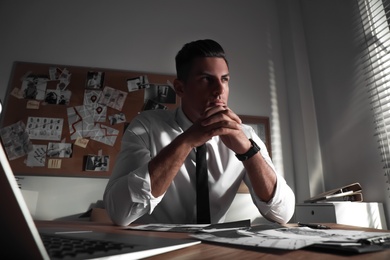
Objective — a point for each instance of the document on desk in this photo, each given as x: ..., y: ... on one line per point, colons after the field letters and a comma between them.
x: 194, y: 228
x: 287, y: 238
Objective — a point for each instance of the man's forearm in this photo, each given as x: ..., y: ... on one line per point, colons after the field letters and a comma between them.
x: 165, y: 165
x: 262, y: 177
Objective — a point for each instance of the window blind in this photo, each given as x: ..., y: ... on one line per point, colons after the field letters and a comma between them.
x: 375, y: 32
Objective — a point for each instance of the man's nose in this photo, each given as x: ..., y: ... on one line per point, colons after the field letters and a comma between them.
x: 219, y: 88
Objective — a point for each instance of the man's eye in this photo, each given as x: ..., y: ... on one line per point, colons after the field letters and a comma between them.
x: 225, y: 79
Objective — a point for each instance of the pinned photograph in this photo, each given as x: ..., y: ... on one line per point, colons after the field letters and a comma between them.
x: 57, y: 97
x: 117, y: 118
x: 59, y: 150
x: 37, y: 157
x: 44, y: 128
x: 91, y: 96
x: 152, y: 105
x: 95, y: 79
x: 97, y: 162
x: 16, y: 140
x: 90, y: 102
x: 34, y: 87
x: 64, y: 79
x: 137, y: 83
x: 54, y: 73
x: 161, y: 93
x: 113, y: 98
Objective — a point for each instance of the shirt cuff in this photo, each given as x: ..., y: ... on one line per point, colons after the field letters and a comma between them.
x: 140, y: 189
x: 282, y: 205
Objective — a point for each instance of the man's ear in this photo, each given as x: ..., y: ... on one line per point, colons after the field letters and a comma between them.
x: 179, y: 87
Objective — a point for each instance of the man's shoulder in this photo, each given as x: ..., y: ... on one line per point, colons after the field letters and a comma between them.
x: 156, y: 115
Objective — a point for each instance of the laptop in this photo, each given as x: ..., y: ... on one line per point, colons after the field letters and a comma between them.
x: 21, y: 238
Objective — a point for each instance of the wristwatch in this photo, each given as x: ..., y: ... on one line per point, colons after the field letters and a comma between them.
x: 252, y: 151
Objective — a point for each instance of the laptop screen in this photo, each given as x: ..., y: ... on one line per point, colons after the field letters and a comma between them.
x: 19, y: 234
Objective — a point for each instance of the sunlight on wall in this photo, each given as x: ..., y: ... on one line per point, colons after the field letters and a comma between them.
x: 277, y: 156
x: 276, y: 142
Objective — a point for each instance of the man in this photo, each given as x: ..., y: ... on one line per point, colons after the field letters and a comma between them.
x: 154, y: 177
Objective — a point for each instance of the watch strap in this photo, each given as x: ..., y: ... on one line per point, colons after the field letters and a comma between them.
x: 252, y: 151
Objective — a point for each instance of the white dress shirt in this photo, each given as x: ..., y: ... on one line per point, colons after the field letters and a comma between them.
x: 128, y: 196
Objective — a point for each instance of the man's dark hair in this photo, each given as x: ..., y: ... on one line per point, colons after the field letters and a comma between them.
x: 196, y: 49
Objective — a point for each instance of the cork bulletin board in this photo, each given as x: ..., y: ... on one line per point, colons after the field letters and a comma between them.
x: 61, y: 120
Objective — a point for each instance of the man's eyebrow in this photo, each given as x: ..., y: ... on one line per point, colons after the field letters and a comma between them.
x: 212, y: 75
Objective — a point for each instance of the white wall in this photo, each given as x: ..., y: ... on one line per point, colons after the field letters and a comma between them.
x: 345, y: 121
x: 305, y: 149
x: 145, y: 36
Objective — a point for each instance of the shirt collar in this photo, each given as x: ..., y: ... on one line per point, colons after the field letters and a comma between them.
x: 182, y: 119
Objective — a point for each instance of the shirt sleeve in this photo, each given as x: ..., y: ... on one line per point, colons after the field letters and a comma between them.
x: 130, y: 180
x: 281, y: 207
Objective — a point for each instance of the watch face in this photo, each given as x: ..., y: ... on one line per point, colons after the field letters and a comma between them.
x: 256, y: 146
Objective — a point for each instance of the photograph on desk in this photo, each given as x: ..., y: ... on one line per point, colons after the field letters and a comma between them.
x: 351, y: 192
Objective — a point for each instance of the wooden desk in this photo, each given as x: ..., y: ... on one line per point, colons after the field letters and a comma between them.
x: 216, y: 251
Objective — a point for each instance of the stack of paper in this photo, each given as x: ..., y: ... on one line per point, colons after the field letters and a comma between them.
x: 194, y: 228
x: 351, y: 192
x: 293, y: 238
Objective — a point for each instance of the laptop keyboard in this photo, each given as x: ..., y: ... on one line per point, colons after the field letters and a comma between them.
x: 61, y: 247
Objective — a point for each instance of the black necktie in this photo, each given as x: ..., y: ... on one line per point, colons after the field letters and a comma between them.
x: 202, y: 187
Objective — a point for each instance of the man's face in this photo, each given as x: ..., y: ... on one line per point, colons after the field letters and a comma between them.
x: 207, y: 86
